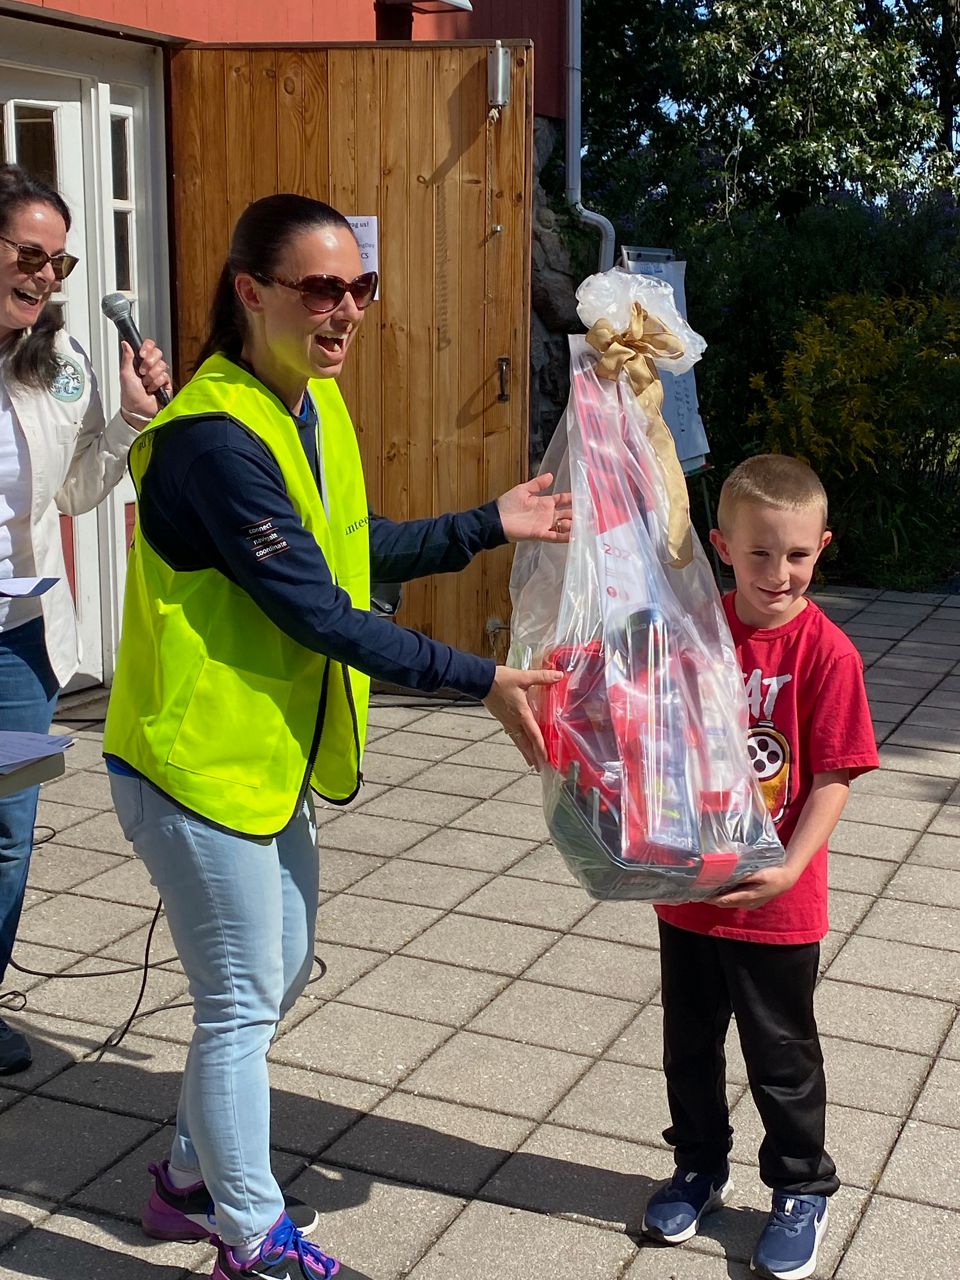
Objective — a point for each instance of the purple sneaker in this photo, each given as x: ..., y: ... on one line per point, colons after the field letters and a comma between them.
x: 284, y: 1255
x: 187, y: 1214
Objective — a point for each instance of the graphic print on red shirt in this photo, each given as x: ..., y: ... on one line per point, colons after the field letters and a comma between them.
x: 808, y: 715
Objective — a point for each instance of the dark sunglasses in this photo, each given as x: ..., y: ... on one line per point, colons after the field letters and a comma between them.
x: 31, y: 259
x: 325, y: 293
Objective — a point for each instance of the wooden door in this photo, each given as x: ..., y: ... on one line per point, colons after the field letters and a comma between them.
x: 403, y: 133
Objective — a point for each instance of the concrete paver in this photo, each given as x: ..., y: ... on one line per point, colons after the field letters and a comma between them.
x: 430, y: 1142
x: 444, y: 993
x: 493, y: 945
x: 364, y: 1044
x: 51, y: 1149
x: 475, y: 1083
x: 523, y: 1245
x: 899, y: 966
x: 408, y: 1219
x: 887, y: 1018
x: 554, y: 1018
x: 924, y: 1165
x: 498, y: 1074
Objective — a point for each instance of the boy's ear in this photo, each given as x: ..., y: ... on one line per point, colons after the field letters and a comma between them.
x: 718, y: 541
x: 826, y: 539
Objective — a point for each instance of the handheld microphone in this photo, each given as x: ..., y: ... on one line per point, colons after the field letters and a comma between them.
x: 117, y: 308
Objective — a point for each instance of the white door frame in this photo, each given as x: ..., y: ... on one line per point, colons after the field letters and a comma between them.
x: 62, y: 96
x: 126, y: 76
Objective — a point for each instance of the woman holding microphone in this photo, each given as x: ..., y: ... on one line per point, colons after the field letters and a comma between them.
x: 57, y: 454
x: 242, y: 686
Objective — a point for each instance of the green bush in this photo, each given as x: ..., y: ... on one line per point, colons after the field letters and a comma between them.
x: 867, y: 393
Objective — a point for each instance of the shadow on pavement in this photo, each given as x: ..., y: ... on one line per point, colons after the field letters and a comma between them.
x: 81, y: 1133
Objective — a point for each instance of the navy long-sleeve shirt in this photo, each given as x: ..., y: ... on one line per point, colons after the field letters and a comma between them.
x: 205, y: 498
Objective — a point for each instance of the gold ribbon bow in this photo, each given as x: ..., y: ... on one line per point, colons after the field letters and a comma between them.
x: 634, y: 351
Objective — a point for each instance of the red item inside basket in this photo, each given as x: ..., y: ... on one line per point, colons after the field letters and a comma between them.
x: 585, y: 735
x: 585, y: 730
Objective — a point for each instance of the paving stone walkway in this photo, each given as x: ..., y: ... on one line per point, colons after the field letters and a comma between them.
x: 473, y: 1088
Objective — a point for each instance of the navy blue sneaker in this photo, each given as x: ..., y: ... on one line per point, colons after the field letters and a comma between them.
x: 788, y: 1244
x: 15, y: 1053
x: 673, y: 1213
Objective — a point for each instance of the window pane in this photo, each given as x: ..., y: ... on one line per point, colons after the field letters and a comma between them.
x: 35, y: 139
x: 121, y: 239
x: 118, y: 147
x: 3, y: 133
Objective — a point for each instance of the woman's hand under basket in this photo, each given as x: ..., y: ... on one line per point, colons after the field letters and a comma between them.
x: 507, y: 700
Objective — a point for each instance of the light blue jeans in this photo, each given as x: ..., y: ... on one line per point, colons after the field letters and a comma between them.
x: 242, y: 913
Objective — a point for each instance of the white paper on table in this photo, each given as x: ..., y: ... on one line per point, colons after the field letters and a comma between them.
x: 26, y: 586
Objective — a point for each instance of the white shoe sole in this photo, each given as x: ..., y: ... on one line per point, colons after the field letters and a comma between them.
x: 716, y: 1201
x: 807, y: 1268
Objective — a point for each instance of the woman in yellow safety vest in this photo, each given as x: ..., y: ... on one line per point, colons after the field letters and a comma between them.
x: 242, y: 685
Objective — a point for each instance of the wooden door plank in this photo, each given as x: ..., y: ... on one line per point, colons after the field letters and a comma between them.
x: 342, y: 115
x: 369, y: 368
x: 238, y: 94
x: 266, y: 142
x: 507, y: 332
x: 290, y: 120
x: 189, y: 256
x: 342, y: 110
x: 476, y: 379
x: 446, y: 370
x: 316, y: 125
x: 217, y: 223
x: 393, y: 312
x: 420, y: 188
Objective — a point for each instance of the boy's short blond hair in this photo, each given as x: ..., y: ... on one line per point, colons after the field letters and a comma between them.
x: 771, y: 480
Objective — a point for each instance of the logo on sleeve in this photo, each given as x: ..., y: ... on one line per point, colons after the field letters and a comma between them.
x: 265, y: 540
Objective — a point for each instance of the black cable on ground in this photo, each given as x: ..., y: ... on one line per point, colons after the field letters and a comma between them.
x: 17, y: 1000
x: 114, y: 1039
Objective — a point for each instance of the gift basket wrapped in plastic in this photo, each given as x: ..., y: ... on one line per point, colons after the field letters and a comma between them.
x: 648, y: 790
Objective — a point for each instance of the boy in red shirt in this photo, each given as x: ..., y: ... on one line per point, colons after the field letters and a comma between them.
x: 753, y: 951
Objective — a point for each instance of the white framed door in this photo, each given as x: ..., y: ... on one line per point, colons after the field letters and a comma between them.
x: 43, y: 131
x: 96, y: 103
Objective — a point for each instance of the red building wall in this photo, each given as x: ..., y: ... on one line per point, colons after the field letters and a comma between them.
x: 225, y: 21
x: 543, y: 21
x: 309, y: 21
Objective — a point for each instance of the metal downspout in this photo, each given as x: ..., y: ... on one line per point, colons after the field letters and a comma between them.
x: 608, y: 236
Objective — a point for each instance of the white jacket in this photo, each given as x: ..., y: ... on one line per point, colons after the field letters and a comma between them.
x: 76, y: 458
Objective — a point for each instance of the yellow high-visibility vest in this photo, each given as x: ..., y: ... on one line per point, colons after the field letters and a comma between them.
x: 211, y: 701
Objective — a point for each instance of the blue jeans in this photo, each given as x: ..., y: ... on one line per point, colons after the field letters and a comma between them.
x: 242, y: 913
x: 28, y: 696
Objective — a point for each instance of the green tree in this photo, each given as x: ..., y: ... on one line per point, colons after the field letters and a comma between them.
x: 696, y: 111
x: 934, y: 28
x: 796, y: 152
x: 799, y: 97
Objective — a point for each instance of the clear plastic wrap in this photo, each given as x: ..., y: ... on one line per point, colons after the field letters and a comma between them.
x: 648, y: 792
x: 610, y: 295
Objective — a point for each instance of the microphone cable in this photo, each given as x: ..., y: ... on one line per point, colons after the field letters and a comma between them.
x: 16, y: 1001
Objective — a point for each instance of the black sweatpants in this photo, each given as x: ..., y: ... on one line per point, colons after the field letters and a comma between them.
x: 769, y: 989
